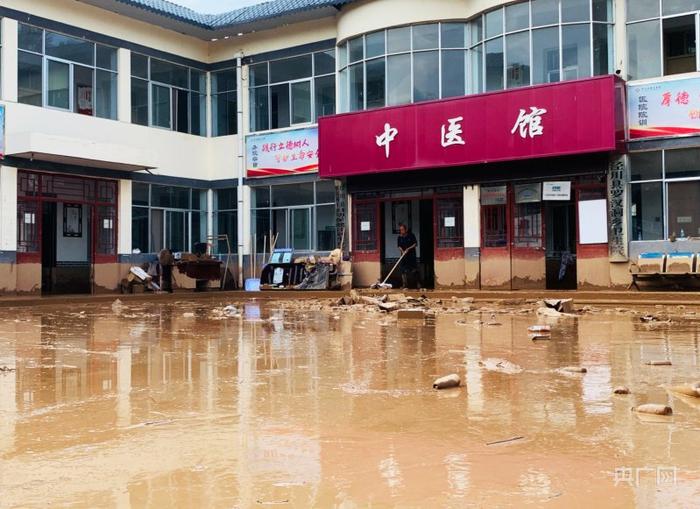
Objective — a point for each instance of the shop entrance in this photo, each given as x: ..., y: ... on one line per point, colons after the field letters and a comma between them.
x: 560, y: 228
x: 66, y: 225
x: 417, y: 215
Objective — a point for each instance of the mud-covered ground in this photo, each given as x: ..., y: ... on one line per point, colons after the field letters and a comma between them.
x: 311, y: 404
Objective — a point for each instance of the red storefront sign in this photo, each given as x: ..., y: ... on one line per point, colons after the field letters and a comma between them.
x: 542, y: 121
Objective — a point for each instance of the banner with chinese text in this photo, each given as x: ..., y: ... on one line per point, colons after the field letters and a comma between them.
x: 282, y: 153
x: 664, y: 108
x: 574, y: 117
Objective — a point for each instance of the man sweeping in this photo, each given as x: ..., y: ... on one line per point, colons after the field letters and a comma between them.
x: 407, y: 244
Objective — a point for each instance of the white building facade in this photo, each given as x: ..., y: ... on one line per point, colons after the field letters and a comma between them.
x: 133, y: 126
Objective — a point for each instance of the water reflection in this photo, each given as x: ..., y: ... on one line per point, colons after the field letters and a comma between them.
x: 172, y: 405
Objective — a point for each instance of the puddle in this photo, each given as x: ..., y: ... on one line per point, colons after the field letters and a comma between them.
x: 301, y: 405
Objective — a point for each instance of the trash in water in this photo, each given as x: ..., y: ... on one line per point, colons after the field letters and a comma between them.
x: 653, y: 408
x: 621, y: 390
x: 447, y: 382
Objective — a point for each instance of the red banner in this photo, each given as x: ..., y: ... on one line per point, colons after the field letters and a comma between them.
x: 542, y: 121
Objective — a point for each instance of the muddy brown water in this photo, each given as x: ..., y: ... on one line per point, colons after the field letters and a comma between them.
x: 171, y: 406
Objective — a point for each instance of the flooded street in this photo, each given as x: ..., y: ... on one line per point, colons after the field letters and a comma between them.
x: 172, y: 405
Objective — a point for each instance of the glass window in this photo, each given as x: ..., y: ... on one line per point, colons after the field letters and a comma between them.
x: 226, y: 199
x: 325, y: 228
x: 225, y: 114
x: 343, y: 56
x: 198, y: 81
x: 289, y: 69
x: 646, y: 211
x: 29, y: 78
x: 139, y: 229
x: 139, y: 66
x: 279, y: 106
x: 325, y: 191
x: 324, y: 88
x: 30, y: 38
x: 170, y: 197
x: 169, y: 73
x: 453, y: 73
x: 517, y: 16
x: 679, y: 45
x: 293, y: 194
x: 261, y: 196
x: 671, y: 7
x: 259, y: 107
x: 426, y: 76
x: 602, y: 49
x: 477, y: 69
x: 324, y: 62
x: 682, y: 164
x: 425, y: 37
x: 398, y: 79
x: 357, y: 94
x: 495, y: 225
x: 643, y: 50
x: 545, y: 55
x: 301, y: 102
x: 494, y: 64
x: 642, y: 9
x: 454, y: 35
x: 527, y: 225
x: 602, y: 10
x: 139, y: 101
x: 398, y: 40
x: 476, y: 27
x: 198, y: 114
x: 70, y: 48
x: 374, y: 44
x: 257, y: 74
x: 58, y: 85
x: 576, y: 51
x: 518, y: 59
x: 684, y: 209
x: 575, y: 10
x: 545, y: 12
x: 106, y: 57
x: 223, y: 81
x: 180, y: 110
x: 161, y: 106
x: 82, y: 90
x: 140, y: 193
x: 494, y: 23
x: 375, y: 83
x: 646, y: 165
x: 355, y: 49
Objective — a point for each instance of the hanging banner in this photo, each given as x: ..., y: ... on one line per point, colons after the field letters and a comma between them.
x: 282, y: 153
x: 664, y: 108
x: 617, y: 214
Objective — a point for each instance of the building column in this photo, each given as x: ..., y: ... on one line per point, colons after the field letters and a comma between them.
x: 8, y: 209
x: 620, y: 38
x: 124, y: 85
x: 8, y: 80
x: 472, y: 236
x: 124, y: 228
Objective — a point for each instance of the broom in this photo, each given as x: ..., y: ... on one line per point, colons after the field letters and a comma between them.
x: 384, y: 284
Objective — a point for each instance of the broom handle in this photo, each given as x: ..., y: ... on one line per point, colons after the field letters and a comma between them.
x: 396, y: 265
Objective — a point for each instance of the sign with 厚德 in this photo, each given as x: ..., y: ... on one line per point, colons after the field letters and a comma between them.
x: 664, y: 108
x: 282, y: 153
x: 556, y: 191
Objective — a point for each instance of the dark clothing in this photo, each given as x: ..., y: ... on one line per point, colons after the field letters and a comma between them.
x: 410, y: 261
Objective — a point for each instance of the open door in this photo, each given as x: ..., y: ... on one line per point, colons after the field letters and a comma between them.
x: 495, y: 245
x: 528, y: 267
x: 561, y: 245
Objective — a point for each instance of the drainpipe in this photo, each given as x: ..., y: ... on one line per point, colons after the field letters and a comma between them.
x: 241, y: 162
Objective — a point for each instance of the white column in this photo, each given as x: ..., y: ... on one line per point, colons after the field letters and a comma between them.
x: 8, y: 208
x: 247, y: 230
x: 124, y: 241
x: 8, y: 80
x: 620, y: 36
x: 208, y: 102
x: 124, y: 85
x: 472, y: 217
x: 210, y: 214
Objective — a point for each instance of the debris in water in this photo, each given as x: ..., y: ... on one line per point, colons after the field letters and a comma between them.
x: 574, y: 369
x: 7, y: 369
x: 561, y: 305
x: 512, y: 439
x: 621, y: 390
x: 686, y: 390
x: 658, y: 363
x: 188, y: 315
x: 117, y: 307
x: 540, y: 328
x: 653, y: 408
x: 447, y: 382
x: 500, y: 365
x: 411, y: 314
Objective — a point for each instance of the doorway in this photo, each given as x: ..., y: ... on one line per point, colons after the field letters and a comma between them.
x: 560, y: 252
x: 417, y: 215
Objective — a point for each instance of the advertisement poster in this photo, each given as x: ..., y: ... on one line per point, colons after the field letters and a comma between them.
x: 666, y: 108
x: 282, y: 153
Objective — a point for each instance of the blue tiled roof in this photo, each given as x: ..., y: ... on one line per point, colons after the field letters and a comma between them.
x: 244, y: 15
